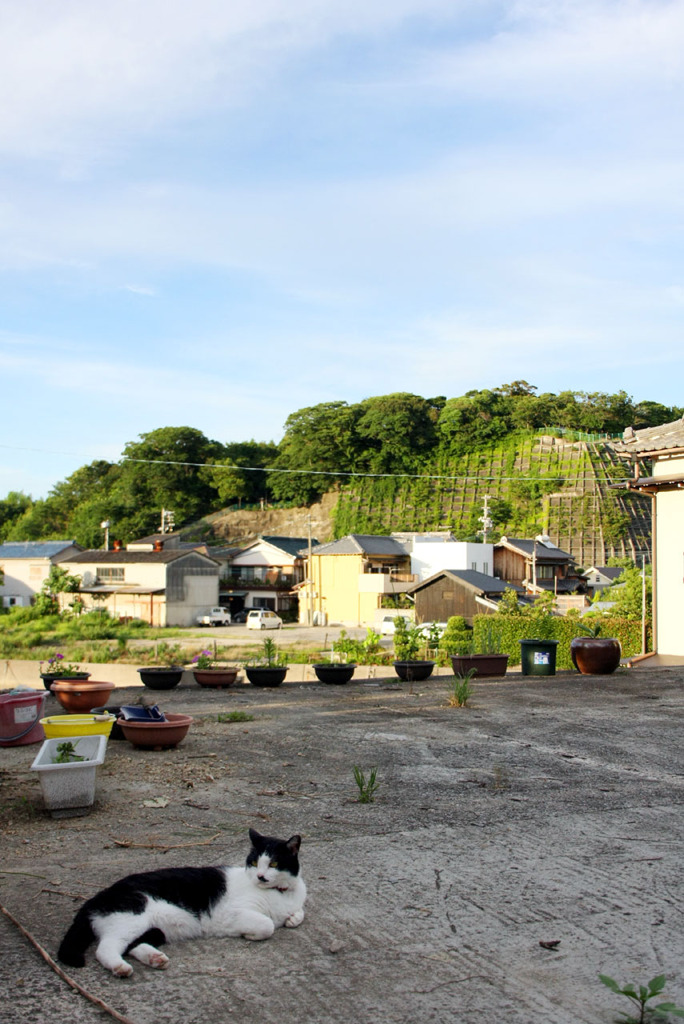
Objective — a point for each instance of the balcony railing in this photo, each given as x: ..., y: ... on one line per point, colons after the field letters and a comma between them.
x: 385, y: 583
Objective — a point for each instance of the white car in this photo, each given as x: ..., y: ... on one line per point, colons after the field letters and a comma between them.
x: 262, y: 618
x: 427, y: 627
x: 387, y: 625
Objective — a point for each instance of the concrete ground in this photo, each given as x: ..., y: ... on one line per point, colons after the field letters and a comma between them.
x: 547, y: 811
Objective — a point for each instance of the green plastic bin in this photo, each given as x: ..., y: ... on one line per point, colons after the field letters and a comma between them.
x: 538, y: 657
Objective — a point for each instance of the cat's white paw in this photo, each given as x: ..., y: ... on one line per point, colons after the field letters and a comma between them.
x: 158, y: 960
x: 122, y: 970
x: 294, y: 920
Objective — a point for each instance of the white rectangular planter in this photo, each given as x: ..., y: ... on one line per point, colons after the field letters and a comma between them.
x: 69, y: 789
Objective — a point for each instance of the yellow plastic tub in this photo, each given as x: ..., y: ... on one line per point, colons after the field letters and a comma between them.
x: 77, y: 725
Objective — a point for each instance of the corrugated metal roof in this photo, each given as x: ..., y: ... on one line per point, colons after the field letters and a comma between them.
x: 34, y: 548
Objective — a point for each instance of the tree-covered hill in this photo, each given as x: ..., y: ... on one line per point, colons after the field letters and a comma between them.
x: 399, y: 461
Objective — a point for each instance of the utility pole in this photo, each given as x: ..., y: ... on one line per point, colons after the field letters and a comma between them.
x: 309, y: 573
x: 105, y: 526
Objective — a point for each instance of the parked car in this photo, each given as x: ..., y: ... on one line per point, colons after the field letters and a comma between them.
x: 241, y: 616
x: 387, y: 624
x: 215, y: 617
x: 427, y: 627
x: 262, y: 618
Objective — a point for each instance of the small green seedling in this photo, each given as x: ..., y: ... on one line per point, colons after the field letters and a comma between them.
x: 367, y: 786
x: 461, y: 690
x: 234, y: 716
x: 640, y: 996
x: 66, y: 753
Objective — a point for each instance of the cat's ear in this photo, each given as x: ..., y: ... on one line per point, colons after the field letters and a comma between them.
x: 294, y: 843
x: 256, y: 837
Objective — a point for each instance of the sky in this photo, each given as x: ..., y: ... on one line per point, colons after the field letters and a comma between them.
x: 215, y: 214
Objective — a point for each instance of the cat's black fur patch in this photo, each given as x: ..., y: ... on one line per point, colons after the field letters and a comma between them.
x: 282, y: 852
x: 153, y: 936
x: 196, y: 890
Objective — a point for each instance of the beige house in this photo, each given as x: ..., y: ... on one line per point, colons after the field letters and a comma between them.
x: 25, y: 565
x: 162, y: 586
x: 348, y: 579
x: 658, y: 455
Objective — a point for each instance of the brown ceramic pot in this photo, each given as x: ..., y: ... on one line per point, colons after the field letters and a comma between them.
x: 595, y: 655
x: 217, y: 677
x: 156, y: 735
x: 487, y: 666
x: 82, y: 695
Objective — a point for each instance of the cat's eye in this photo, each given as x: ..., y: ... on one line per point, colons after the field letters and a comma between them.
x: 273, y: 864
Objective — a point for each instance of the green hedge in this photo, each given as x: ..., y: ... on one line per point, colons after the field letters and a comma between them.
x: 508, y: 630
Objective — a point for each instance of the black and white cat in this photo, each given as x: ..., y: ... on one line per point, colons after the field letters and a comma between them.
x: 141, y: 912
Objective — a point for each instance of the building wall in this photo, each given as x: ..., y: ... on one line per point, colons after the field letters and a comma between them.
x: 669, y: 565
x: 429, y: 557
x: 444, y: 598
x: 23, y: 579
x: 336, y: 590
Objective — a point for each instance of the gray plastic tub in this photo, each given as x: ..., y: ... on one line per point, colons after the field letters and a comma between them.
x: 69, y: 789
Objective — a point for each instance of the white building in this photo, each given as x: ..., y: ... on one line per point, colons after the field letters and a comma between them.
x: 434, y: 552
x: 25, y: 565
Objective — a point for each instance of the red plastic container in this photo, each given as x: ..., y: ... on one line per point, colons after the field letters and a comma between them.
x: 20, y: 715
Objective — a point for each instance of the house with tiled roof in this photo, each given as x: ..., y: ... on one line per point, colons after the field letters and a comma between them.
x: 164, y: 586
x: 348, y: 579
x: 25, y: 565
x: 658, y: 460
x: 265, y: 574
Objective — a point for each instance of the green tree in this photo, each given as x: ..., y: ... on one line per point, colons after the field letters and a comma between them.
x: 233, y: 483
x: 627, y: 592
x: 397, y: 432
x: 15, y: 505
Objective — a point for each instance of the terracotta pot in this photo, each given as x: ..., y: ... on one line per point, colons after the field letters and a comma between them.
x: 595, y: 655
x: 487, y: 666
x: 156, y: 735
x: 334, y: 674
x: 81, y: 696
x: 50, y: 677
x: 220, y: 678
x: 414, y: 671
x: 262, y: 675
x: 160, y: 677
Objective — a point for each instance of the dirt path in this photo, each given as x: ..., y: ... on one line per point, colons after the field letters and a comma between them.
x: 549, y: 810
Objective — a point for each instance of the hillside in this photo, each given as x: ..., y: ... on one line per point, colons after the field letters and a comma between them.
x: 535, y: 483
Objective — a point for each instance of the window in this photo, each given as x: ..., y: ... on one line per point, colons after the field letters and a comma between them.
x: 473, y: 566
x: 485, y: 568
x: 110, y: 574
x: 37, y: 572
x: 545, y: 572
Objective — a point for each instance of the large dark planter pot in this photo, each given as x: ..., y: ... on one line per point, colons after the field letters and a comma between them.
x: 414, y: 671
x: 334, y: 674
x: 595, y: 655
x: 161, y: 678
x: 49, y: 678
x: 486, y: 666
x: 263, y: 675
x: 219, y: 678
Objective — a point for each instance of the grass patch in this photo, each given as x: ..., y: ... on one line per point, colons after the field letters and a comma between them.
x: 234, y: 716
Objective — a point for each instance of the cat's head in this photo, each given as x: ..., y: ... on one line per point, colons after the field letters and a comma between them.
x: 273, y: 863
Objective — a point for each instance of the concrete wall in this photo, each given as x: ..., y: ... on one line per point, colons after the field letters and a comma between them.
x: 669, y: 566
x: 429, y: 557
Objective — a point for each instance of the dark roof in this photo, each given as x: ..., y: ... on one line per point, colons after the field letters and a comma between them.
x: 100, y: 557
x: 611, y: 572
x: 291, y: 545
x: 535, y: 548
x: 478, y: 581
x: 652, y: 439
x: 362, y: 544
x: 36, y: 548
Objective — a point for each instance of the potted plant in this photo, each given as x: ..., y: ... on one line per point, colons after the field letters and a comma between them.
x: 208, y: 673
x: 66, y: 770
x: 593, y: 654
x: 481, y: 655
x: 57, y: 668
x: 269, y: 669
x: 165, y: 675
x: 408, y: 642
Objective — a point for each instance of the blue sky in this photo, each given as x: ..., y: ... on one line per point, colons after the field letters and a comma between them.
x: 215, y: 214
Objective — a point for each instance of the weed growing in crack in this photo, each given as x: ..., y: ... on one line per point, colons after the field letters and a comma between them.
x: 234, y: 716
x: 461, y: 690
x: 367, y: 786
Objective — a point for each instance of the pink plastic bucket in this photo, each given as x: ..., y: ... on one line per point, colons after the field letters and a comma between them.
x: 20, y: 715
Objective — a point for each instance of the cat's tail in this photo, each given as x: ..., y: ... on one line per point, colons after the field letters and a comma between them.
x: 76, y: 941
